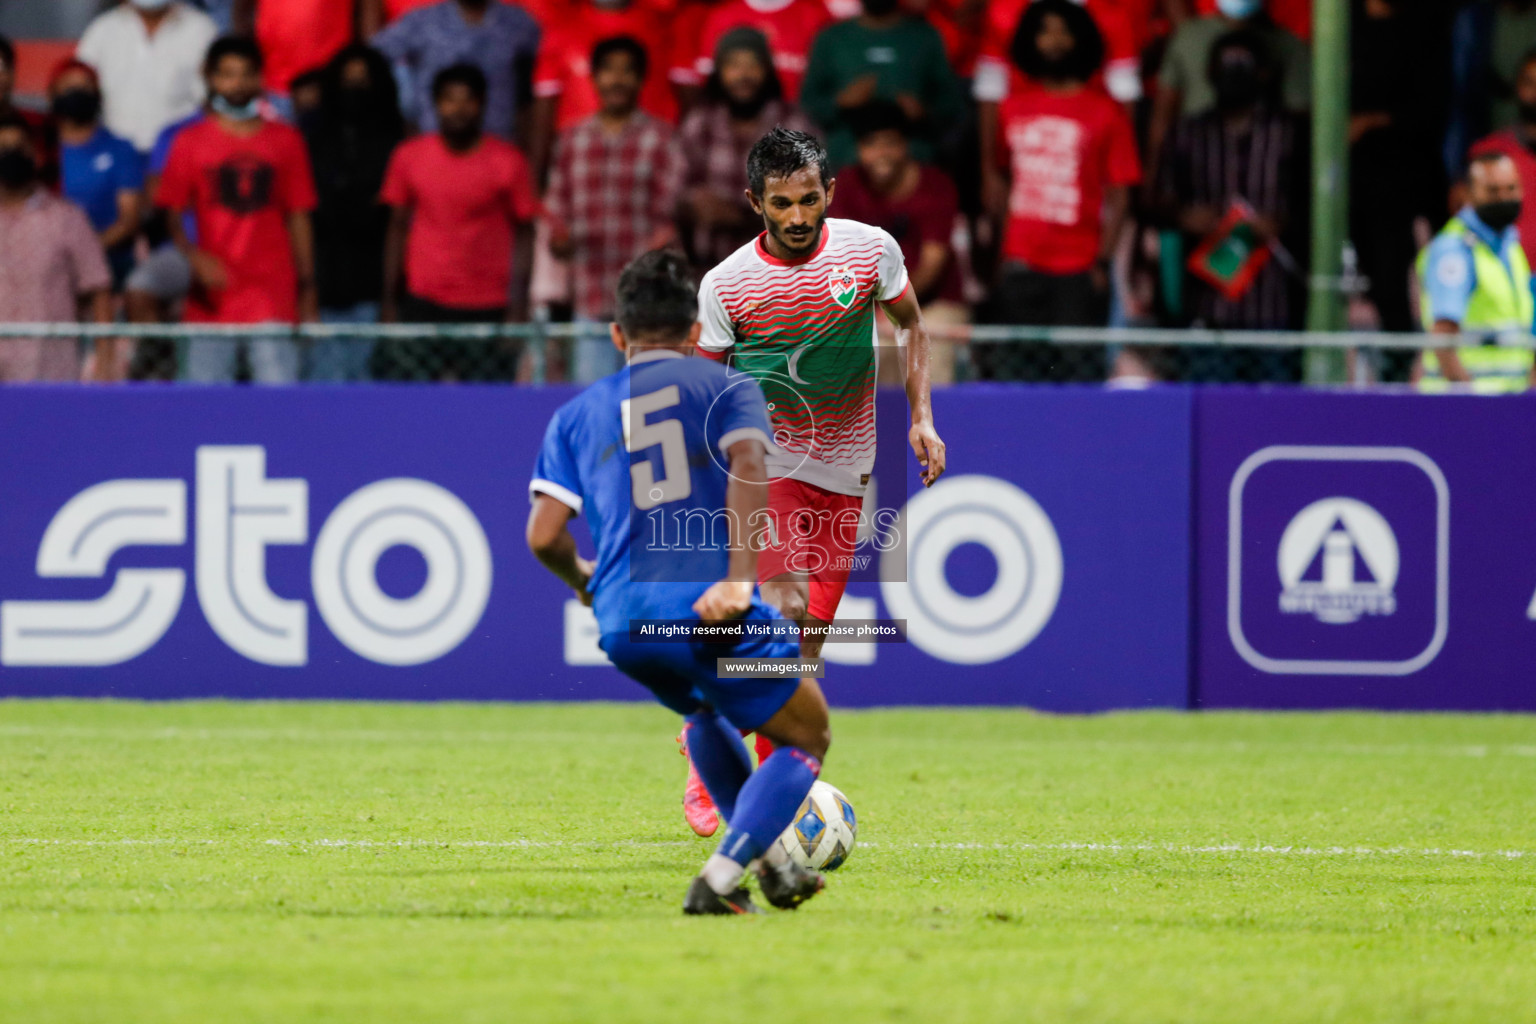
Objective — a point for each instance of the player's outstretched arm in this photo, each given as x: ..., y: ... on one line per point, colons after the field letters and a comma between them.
x: 746, y: 498
x: 913, y: 333
x: 550, y: 540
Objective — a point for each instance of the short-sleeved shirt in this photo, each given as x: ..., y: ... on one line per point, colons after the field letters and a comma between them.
x: 1186, y: 64
x: 790, y: 29
x: 242, y: 190
x: 50, y: 258
x: 94, y: 172
x: 905, y: 58
x: 147, y: 81
x: 430, y: 39
x: 614, y: 192
x: 563, y: 70
x: 927, y: 215
x: 1450, y: 275
x: 643, y: 454
x: 300, y: 35
x: 806, y: 330
x: 464, y: 207
x: 1062, y: 151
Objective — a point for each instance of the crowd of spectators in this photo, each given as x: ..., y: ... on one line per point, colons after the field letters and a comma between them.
x: 1041, y: 162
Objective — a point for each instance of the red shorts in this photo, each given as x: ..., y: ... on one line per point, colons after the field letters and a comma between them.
x: 815, y: 532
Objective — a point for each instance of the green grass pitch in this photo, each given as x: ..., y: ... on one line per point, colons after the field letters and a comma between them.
x: 273, y: 862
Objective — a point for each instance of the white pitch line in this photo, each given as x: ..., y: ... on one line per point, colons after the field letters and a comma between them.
x: 1263, y: 849
x: 302, y: 735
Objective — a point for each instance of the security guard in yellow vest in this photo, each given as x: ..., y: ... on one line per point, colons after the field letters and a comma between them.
x: 1474, y: 279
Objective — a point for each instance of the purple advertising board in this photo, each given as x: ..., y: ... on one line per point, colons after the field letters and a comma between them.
x: 367, y: 542
x: 1364, y: 550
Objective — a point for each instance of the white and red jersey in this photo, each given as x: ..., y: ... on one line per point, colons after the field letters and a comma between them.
x: 806, y: 330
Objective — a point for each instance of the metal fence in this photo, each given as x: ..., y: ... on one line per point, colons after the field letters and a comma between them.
x: 541, y: 352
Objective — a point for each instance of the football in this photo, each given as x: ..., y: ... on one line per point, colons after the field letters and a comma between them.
x: 824, y: 829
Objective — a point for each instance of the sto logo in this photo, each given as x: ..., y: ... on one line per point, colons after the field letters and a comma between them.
x: 239, y: 513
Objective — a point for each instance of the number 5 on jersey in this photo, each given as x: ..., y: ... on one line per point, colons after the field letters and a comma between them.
x: 675, y: 484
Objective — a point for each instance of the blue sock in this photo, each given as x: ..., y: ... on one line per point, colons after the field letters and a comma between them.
x: 768, y: 803
x: 716, y: 750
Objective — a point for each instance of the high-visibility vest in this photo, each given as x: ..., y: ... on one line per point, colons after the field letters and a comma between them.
x: 1501, y: 304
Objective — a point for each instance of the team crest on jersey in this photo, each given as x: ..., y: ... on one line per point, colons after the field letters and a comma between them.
x: 843, y: 286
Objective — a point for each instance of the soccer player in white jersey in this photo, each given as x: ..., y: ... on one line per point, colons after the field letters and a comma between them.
x: 796, y: 308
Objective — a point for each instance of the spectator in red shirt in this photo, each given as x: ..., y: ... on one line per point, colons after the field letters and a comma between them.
x: 1070, y: 154
x: 248, y: 183
x: 455, y: 197
x: 613, y: 193
x: 1124, y: 25
x: 296, y: 35
x: 563, y: 77
x: 50, y: 262
x: 918, y: 204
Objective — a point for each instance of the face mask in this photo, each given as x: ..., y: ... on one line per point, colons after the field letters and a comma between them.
x: 17, y: 168
x: 78, y: 105
x: 151, y: 5
x: 236, y: 112
x: 1240, y: 9
x: 879, y: 8
x: 1499, y: 215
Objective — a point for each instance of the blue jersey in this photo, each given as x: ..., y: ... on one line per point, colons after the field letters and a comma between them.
x: 95, y: 171
x: 643, y: 454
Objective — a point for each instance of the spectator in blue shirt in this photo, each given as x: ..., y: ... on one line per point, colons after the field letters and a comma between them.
x: 100, y: 172
x: 500, y: 39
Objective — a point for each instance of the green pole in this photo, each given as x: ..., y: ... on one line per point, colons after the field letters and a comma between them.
x: 1330, y: 172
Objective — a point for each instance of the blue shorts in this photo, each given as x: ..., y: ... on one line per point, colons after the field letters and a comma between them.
x: 682, y: 674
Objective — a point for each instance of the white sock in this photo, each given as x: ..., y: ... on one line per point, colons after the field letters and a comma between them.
x: 775, y: 856
x: 722, y: 874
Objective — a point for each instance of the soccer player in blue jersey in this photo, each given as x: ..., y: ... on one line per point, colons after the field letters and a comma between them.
x: 666, y: 458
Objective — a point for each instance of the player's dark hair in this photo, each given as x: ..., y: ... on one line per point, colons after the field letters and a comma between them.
x: 1087, y: 54
x: 783, y: 152
x: 243, y: 47
x: 606, y: 48
x: 879, y: 116
x: 8, y: 53
x: 657, y: 298
x: 467, y: 75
